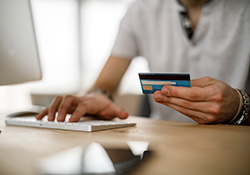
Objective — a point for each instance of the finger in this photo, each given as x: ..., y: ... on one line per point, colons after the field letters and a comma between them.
x: 78, y: 113
x: 197, y: 116
x: 64, y: 107
x: 42, y: 114
x: 205, y: 107
x: 191, y: 94
x: 53, y: 108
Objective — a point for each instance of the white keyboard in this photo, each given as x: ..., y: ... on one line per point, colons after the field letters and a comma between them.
x: 85, y: 124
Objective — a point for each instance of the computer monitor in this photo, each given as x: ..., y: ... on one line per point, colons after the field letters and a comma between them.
x: 19, y: 58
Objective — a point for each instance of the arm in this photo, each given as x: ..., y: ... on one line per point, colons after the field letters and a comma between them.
x: 94, y: 103
x: 112, y: 73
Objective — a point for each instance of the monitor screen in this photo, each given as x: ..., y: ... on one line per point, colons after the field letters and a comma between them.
x: 19, y: 58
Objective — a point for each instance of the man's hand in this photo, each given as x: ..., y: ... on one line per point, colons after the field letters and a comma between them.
x: 207, y: 101
x: 91, y: 104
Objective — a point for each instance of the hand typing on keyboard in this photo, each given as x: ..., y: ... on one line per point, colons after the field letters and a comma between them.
x: 91, y: 104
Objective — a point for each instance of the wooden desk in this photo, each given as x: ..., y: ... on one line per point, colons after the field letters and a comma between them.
x: 180, y: 148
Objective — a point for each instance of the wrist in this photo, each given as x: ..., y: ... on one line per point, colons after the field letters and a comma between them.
x: 101, y: 91
x: 242, y: 115
x: 239, y: 110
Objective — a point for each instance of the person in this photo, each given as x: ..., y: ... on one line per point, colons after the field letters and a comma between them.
x: 210, y: 39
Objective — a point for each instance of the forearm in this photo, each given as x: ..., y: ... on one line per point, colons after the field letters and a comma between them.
x: 111, y: 74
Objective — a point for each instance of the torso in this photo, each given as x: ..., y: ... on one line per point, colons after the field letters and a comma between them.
x: 220, y: 46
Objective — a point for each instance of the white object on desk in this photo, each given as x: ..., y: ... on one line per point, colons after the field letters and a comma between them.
x: 92, y: 160
x: 85, y: 124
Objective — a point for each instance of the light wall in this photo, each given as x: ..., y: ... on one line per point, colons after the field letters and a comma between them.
x: 75, y: 38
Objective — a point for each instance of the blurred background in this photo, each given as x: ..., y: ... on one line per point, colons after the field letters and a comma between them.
x: 75, y: 38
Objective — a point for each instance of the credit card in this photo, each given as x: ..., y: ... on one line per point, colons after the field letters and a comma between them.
x: 151, y: 82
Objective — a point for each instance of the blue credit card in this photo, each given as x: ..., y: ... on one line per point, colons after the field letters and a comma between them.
x: 151, y: 82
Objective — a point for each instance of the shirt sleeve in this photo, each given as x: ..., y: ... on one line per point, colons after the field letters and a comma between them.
x: 125, y: 44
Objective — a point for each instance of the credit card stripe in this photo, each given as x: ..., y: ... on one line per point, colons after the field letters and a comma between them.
x: 164, y: 76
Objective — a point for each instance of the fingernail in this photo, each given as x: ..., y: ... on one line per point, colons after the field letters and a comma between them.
x: 50, y: 117
x: 60, y: 116
x: 158, y: 96
x: 73, y: 116
x: 165, y: 90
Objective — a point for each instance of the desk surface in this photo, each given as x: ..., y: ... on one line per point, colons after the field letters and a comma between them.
x: 179, y: 148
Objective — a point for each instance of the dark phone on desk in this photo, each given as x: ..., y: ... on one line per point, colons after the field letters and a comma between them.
x: 125, y: 161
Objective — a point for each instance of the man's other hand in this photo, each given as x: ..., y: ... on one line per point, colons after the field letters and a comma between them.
x: 92, y: 104
x: 207, y: 101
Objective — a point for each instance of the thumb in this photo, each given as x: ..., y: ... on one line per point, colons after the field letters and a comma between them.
x: 119, y: 112
x: 122, y: 114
